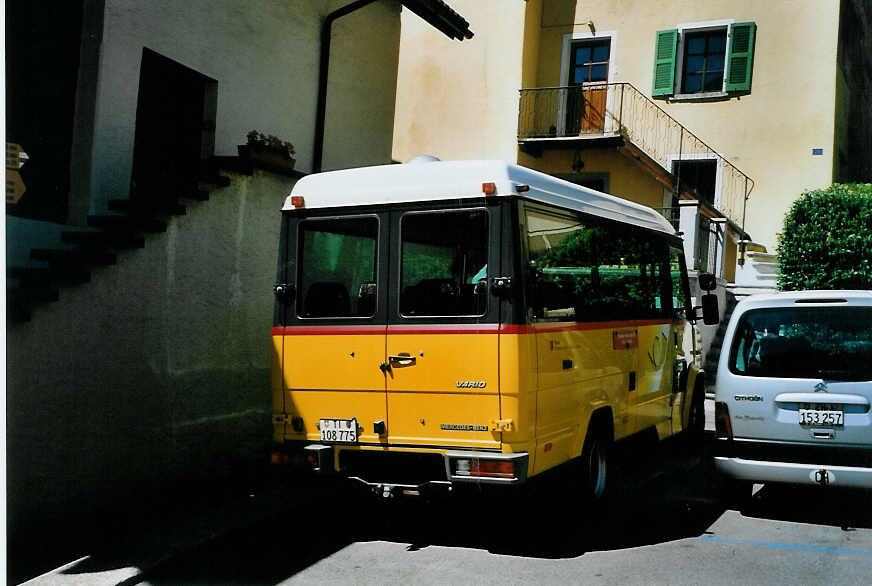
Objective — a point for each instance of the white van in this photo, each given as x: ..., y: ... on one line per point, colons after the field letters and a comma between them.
x: 793, y: 391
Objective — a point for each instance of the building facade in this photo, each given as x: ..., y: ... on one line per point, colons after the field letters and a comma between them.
x: 712, y: 108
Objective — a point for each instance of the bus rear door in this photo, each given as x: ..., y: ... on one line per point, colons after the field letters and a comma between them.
x: 443, y: 328
x: 334, y: 340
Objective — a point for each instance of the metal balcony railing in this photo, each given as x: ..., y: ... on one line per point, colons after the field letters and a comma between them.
x: 619, y: 109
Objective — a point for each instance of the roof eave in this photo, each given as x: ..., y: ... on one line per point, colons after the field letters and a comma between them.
x: 441, y: 16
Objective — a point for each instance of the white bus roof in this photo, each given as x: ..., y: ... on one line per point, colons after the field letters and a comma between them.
x: 445, y: 180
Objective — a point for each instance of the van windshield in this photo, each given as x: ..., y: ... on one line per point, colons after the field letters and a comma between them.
x: 831, y: 343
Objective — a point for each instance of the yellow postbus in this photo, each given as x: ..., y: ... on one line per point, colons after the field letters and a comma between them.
x: 451, y: 322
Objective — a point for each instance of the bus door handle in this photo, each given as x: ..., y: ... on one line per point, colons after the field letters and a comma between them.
x: 401, y: 360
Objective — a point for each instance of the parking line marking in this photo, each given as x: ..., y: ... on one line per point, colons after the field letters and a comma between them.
x: 788, y: 546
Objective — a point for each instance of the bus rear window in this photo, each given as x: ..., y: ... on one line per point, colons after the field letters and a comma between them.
x: 338, y: 267
x: 444, y: 264
x: 832, y: 343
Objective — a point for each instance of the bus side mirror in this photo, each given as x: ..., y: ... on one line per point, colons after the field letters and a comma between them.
x: 710, y: 314
x: 707, y: 282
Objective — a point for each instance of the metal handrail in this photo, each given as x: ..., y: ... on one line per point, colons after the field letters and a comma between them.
x: 611, y: 109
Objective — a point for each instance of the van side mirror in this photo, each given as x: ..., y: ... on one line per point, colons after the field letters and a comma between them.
x: 710, y: 313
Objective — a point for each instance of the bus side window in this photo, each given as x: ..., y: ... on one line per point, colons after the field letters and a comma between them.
x: 595, y: 272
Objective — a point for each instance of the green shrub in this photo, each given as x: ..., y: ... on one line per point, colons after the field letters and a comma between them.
x: 827, y: 240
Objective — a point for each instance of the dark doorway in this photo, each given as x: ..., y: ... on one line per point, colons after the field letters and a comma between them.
x: 43, y: 40
x: 697, y: 177
x: 174, y: 129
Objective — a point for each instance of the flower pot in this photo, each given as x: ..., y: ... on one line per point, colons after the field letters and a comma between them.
x: 277, y: 160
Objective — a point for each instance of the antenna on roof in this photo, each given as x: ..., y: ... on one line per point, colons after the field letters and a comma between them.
x: 422, y: 159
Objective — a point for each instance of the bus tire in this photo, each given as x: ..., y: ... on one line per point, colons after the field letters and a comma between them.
x: 595, y: 464
x: 695, y: 430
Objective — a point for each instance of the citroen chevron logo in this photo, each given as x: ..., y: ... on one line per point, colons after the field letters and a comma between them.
x: 820, y: 387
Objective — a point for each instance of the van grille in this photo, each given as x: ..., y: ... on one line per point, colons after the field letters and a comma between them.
x: 392, y: 467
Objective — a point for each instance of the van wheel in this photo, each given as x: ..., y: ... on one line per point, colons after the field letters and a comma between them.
x: 595, y: 465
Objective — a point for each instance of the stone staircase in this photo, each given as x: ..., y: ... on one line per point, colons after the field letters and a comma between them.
x: 759, y: 273
x: 36, y: 278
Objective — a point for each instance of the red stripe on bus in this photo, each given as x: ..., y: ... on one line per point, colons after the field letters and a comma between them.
x: 327, y: 330
x: 426, y: 329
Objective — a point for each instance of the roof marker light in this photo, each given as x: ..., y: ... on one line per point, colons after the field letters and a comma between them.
x: 298, y: 201
x: 489, y: 188
x: 522, y: 188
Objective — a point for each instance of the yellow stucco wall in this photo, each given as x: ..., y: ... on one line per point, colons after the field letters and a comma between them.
x: 770, y: 133
x: 459, y: 100
x: 626, y: 178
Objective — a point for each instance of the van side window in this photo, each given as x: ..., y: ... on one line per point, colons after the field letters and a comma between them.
x: 585, y: 271
x: 444, y: 263
x: 337, y: 267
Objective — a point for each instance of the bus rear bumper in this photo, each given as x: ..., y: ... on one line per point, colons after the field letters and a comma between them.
x: 406, y: 472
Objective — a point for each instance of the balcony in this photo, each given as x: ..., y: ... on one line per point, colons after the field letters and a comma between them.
x: 619, y: 115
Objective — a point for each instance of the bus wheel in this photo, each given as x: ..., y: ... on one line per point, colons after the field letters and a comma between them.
x: 595, y: 465
x: 696, y: 417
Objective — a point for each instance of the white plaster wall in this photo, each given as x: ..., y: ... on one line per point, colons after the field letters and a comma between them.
x: 361, y: 88
x: 157, y: 369
x: 264, y: 56
x: 459, y: 100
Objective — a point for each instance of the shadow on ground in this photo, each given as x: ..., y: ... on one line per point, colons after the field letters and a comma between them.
x: 848, y: 509
x: 664, y: 496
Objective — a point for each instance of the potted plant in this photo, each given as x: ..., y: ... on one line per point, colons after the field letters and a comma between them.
x: 269, y: 152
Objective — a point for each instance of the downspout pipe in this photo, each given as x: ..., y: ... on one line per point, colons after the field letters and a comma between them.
x: 324, y: 67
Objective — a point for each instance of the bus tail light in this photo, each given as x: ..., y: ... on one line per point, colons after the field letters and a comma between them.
x: 476, y: 467
x: 723, y: 428
x: 480, y: 467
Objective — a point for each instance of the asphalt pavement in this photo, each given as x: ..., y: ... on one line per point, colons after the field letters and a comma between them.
x: 666, y: 525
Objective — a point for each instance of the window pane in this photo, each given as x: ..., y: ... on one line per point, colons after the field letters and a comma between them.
x: 833, y: 343
x: 715, y: 63
x: 692, y: 83
x: 582, y: 55
x: 444, y: 264
x: 599, y: 73
x: 580, y: 74
x: 679, y: 299
x: 337, y: 267
x: 696, y: 45
x: 717, y: 43
x: 694, y: 64
x: 587, y: 272
x: 601, y: 53
x: 714, y: 82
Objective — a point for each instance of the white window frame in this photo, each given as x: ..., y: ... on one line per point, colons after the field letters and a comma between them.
x: 568, y: 39
x: 699, y: 27
x: 719, y: 169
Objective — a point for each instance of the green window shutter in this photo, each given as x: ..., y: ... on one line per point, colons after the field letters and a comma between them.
x: 740, y: 57
x: 664, y: 62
